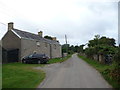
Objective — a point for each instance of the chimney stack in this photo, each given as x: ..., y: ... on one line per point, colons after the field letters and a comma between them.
x: 54, y: 38
x: 40, y: 33
x: 10, y: 25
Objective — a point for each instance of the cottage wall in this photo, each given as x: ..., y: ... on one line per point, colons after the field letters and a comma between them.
x: 59, y: 51
x: 30, y: 46
x: 11, y: 41
x: 56, y: 50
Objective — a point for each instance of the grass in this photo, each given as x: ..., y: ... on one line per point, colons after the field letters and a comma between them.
x: 17, y: 75
x: 103, y: 69
x: 58, y: 60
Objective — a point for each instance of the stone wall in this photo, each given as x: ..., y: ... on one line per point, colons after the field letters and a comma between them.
x: 96, y: 57
x: 99, y: 57
x: 56, y: 50
x: 30, y: 46
x: 11, y: 41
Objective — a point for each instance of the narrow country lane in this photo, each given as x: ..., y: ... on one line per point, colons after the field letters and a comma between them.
x: 73, y: 73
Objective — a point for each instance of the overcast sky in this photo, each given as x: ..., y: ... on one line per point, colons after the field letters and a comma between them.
x: 79, y: 20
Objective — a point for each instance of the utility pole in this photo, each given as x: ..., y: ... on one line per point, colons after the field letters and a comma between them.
x: 65, y: 38
x: 66, y: 43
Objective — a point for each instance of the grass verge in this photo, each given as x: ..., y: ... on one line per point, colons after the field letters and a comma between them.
x: 59, y: 60
x: 17, y: 75
x: 104, y: 70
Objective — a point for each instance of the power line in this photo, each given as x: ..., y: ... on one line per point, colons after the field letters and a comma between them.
x: 8, y: 11
x: 3, y: 23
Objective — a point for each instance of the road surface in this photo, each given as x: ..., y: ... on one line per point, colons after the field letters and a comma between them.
x: 73, y: 73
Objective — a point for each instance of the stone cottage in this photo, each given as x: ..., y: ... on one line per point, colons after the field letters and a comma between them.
x: 17, y: 44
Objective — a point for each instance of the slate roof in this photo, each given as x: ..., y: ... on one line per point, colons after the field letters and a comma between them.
x: 24, y: 34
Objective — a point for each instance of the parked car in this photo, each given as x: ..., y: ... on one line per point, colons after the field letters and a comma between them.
x: 36, y: 58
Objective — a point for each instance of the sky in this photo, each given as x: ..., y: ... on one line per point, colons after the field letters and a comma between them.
x: 80, y: 20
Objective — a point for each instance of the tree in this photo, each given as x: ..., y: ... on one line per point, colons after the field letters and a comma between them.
x: 65, y: 48
x: 71, y: 49
x: 97, y: 36
x: 101, y: 41
x: 94, y: 42
x: 117, y: 55
x: 107, y: 41
x: 76, y: 48
x: 81, y: 48
x: 90, y: 52
x: 103, y: 45
x: 48, y: 37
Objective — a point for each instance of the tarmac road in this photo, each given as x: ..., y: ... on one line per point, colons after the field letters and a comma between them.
x: 73, y: 73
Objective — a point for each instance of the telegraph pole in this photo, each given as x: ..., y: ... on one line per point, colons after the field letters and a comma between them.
x: 66, y: 38
x: 66, y: 43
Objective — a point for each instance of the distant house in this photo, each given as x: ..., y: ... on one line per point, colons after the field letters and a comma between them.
x: 17, y: 44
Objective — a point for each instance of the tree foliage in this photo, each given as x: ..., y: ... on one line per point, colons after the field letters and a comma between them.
x: 48, y: 37
x: 101, y: 41
x: 101, y: 46
x: 98, y: 46
x: 66, y: 48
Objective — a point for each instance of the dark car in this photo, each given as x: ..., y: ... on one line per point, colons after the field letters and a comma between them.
x: 36, y: 58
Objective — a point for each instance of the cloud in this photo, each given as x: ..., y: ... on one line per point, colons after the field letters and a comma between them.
x: 80, y: 21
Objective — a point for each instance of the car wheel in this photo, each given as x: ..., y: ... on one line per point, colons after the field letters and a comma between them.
x: 24, y: 61
x: 39, y: 62
x: 45, y: 62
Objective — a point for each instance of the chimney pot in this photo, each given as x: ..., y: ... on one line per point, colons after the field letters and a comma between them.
x: 10, y: 25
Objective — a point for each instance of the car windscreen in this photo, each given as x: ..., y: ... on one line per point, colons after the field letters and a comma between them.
x: 30, y: 56
x: 25, y: 57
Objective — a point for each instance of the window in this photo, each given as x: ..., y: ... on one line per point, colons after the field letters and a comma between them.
x: 38, y: 43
